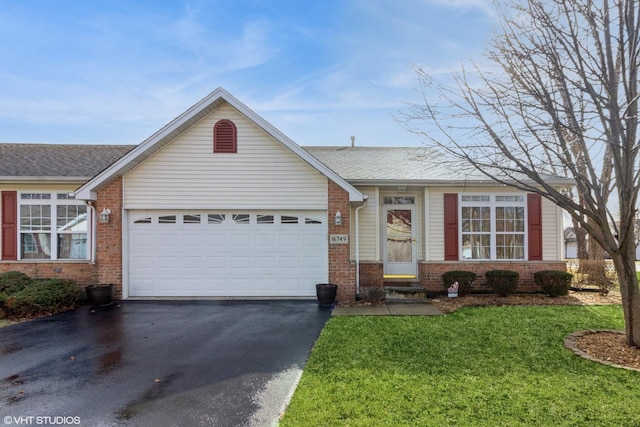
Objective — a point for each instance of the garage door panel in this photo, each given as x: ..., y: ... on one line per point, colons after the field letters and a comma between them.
x: 143, y: 262
x: 193, y: 262
x: 217, y: 239
x: 235, y: 258
x: 313, y: 262
x: 241, y: 262
x: 290, y: 262
x: 191, y: 239
x: 266, y: 240
x: 169, y: 262
x: 145, y: 240
x: 215, y: 262
x: 288, y: 239
x: 240, y: 240
x: 266, y: 262
x: 314, y: 239
x: 240, y: 284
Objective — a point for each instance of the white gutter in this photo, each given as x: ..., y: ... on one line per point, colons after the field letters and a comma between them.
x: 365, y: 197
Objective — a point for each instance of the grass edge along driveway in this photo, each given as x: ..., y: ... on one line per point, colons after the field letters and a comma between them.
x: 498, y: 366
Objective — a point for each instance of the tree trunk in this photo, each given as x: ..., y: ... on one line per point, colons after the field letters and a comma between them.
x: 626, y: 270
x: 581, y: 240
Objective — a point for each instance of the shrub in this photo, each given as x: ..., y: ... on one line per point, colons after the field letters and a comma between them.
x: 553, y: 282
x: 598, y: 273
x: 42, y: 297
x: 13, y: 281
x: 372, y: 293
x: 503, y: 282
x: 465, y: 280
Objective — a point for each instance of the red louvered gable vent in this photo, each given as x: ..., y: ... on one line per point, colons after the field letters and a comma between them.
x: 225, y: 137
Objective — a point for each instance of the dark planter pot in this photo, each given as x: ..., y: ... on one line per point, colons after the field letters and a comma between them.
x: 326, y: 293
x: 99, y: 294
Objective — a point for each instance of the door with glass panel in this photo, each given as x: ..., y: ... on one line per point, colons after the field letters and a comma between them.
x: 399, y: 237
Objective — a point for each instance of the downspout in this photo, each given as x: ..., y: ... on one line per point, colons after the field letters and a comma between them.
x: 358, y: 246
x: 94, y: 232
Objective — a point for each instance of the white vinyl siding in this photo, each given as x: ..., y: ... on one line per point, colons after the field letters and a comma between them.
x: 552, y: 231
x: 263, y: 174
x: 369, y: 229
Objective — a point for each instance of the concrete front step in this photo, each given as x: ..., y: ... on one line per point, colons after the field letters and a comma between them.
x: 402, y: 293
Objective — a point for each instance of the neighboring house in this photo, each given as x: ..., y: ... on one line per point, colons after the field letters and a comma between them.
x: 570, y: 243
x: 219, y: 203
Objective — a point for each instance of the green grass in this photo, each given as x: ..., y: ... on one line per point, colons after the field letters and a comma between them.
x: 499, y: 366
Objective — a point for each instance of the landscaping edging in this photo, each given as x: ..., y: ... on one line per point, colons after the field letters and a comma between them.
x: 570, y: 343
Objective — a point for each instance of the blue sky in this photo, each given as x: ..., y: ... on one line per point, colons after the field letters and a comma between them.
x: 114, y: 72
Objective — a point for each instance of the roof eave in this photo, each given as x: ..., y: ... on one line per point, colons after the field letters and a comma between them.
x: 443, y: 183
x: 48, y: 179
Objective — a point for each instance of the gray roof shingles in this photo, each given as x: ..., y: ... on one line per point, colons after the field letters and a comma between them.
x: 402, y: 165
x: 57, y: 160
x: 416, y: 164
x: 354, y: 164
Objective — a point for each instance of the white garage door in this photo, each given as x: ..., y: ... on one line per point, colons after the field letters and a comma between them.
x: 227, y: 253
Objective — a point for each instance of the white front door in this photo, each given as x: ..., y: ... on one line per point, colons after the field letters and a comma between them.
x: 400, y: 241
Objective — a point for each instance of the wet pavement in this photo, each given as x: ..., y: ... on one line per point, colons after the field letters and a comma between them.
x: 182, y: 363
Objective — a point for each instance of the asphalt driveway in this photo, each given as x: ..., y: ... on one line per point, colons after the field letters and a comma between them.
x: 222, y: 363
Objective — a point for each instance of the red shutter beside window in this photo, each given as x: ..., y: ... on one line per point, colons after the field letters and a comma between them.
x: 534, y: 232
x: 9, y: 225
x: 451, y: 227
x: 225, y: 137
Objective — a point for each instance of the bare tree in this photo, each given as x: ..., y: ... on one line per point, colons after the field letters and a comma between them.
x: 558, y: 95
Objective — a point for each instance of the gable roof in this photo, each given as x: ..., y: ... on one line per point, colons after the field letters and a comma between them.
x: 186, y: 120
x: 56, y: 162
x: 403, y: 165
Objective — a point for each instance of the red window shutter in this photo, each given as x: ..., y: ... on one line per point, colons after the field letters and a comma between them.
x: 451, y: 227
x: 225, y: 137
x: 534, y: 232
x: 9, y: 225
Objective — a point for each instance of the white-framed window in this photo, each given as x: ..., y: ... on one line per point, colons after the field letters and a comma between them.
x: 52, y: 226
x: 492, y: 226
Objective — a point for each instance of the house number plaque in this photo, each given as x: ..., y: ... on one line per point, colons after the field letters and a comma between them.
x: 338, y: 239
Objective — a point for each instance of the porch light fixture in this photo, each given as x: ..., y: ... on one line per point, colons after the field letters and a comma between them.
x: 338, y: 219
x: 104, y: 215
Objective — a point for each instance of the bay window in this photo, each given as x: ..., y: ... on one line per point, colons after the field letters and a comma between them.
x: 52, y: 226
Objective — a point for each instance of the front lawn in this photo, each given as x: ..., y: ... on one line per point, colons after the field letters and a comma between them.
x: 498, y: 366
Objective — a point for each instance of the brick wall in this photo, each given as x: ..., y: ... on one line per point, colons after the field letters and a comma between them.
x: 371, y: 273
x: 431, y: 272
x: 109, y: 237
x: 83, y: 273
x: 342, y: 271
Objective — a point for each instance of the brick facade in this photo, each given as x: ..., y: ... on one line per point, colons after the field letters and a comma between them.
x: 430, y: 273
x: 371, y: 273
x: 109, y: 237
x: 83, y: 272
x: 342, y: 271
